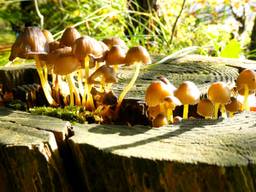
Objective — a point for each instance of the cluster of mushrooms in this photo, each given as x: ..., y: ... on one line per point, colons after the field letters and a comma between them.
x: 162, y: 97
x: 82, y: 68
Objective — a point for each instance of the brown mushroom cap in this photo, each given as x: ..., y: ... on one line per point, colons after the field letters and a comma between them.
x: 171, y: 102
x: 105, y: 72
x: 234, y: 105
x: 160, y: 120
x: 156, y: 92
x: 205, y: 108
x: 69, y: 36
x: 31, y: 40
x: 188, y: 93
x: 246, y: 77
x: 219, y: 92
x: 54, y: 45
x: 86, y: 45
x: 63, y: 61
x: 137, y: 54
x: 115, y: 56
x: 110, y: 42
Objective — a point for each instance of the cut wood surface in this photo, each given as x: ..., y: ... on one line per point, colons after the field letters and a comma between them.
x: 29, y: 154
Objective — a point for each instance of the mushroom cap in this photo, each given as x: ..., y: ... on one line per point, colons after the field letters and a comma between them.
x: 171, y: 102
x: 69, y: 36
x: 86, y: 45
x: 53, y: 45
x: 160, y: 120
x: 219, y: 92
x: 105, y: 72
x: 137, y: 54
x: 171, y: 87
x: 32, y: 39
x: 188, y: 93
x: 48, y: 35
x: 63, y: 61
x: 246, y: 77
x: 234, y: 105
x: 156, y: 92
x: 110, y: 42
x: 115, y: 56
x: 205, y: 108
x: 154, y: 111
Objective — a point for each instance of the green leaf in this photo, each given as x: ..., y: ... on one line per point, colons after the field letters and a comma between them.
x: 232, y: 49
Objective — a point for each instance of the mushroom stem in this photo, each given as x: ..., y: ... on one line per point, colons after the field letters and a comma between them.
x: 79, y: 81
x: 185, y: 111
x: 216, y: 110
x: 169, y: 114
x: 246, y: 94
x: 45, y: 86
x: 71, y: 90
x: 115, y: 67
x: 223, y: 111
x: 89, y: 102
x: 129, y: 86
x: 86, y: 67
x: 231, y: 114
x: 45, y: 72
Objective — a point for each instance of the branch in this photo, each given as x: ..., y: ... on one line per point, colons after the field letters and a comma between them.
x: 176, y: 21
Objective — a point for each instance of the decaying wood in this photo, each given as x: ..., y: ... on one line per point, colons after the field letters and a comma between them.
x: 29, y: 154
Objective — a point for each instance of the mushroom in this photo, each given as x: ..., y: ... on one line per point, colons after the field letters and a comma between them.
x: 69, y: 36
x: 188, y: 94
x: 106, y: 75
x: 170, y: 103
x: 135, y: 56
x: 205, y: 108
x: 219, y: 94
x: 160, y: 120
x: 246, y: 84
x: 234, y: 106
x: 83, y: 48
x: 31, y: 43
x: 65, y: 63
x: 115, y: 56
x: 110, y: 42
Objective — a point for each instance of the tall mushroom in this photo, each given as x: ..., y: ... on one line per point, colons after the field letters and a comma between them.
x: 115, y: 56
x: 234, y: 106
x: 135, y: 56
x: 84, y: 48
x: 31, y: 43
x: 219, y: 94
x: 65, y: 63
x: 246, y: 84
x: 188, y: 94
x: 170, y: 103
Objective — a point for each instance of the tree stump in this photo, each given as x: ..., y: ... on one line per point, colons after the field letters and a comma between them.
x: 38, y: 153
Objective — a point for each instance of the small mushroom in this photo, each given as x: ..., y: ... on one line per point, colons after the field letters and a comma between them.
x: 160, y: 120
x: 69, y: 36
x: 65, y: 63
x: 84, y: 48
x: 135, y: 56
x: 205, y: 108
x: 112, y: 41
x: 31, y: 43
x: 115, y: 56
x: 103, y: 75
x: 219, y: 94
x: 188, y: 94
x: 170, y: 103
x: 246, y: 84
x: 234, y: 106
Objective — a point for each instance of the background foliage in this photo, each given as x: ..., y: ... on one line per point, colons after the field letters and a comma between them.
x: 220, y: 27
